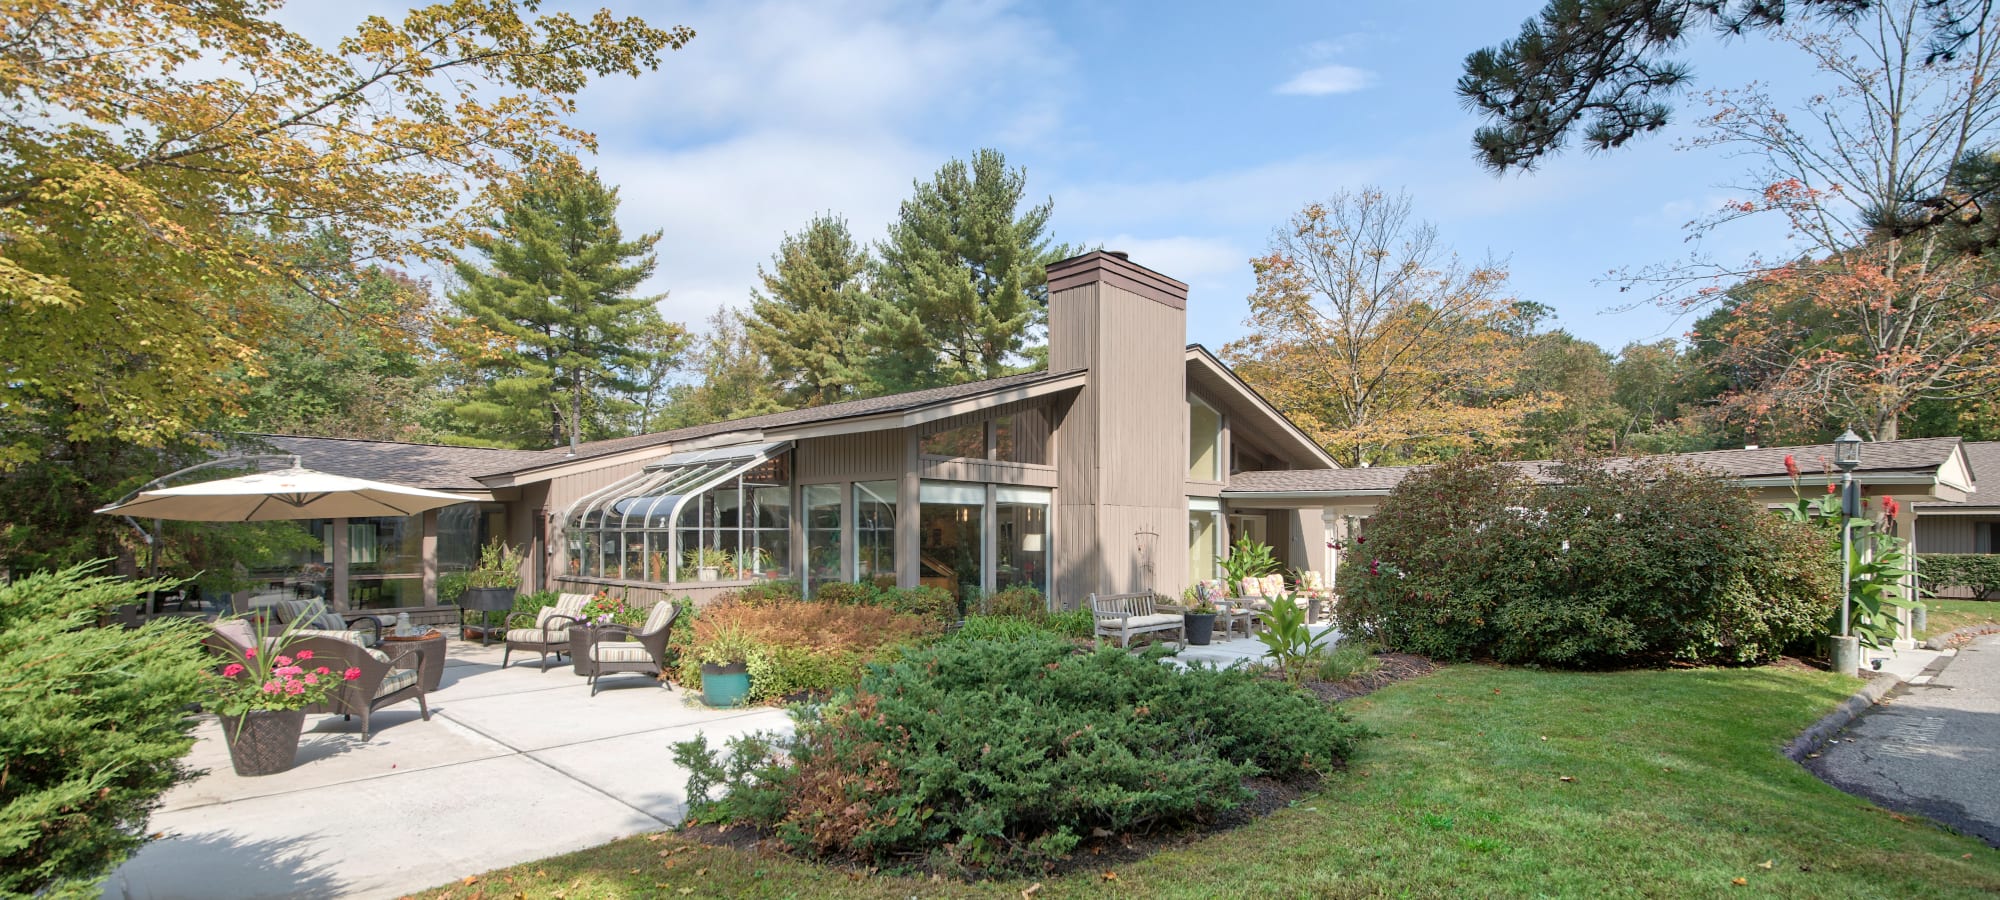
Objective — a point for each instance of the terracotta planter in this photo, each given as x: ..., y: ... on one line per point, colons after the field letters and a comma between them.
x: 263, y: 742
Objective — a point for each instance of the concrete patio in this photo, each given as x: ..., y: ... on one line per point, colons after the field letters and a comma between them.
x: 515, y: 765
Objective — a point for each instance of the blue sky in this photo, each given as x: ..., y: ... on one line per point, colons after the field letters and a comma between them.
x: 1183, y: 134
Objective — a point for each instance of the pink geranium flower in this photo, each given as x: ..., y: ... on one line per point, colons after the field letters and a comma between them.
x: 287, y: 671
x: 295, y: 688
x: 270, y: 687
x: 321, y: 670
x: 250, y: 653
x: 283, y: 660
x: 352, y: 673
x: 232, y: 670
x: 305, y: 655
x: 311, y: 678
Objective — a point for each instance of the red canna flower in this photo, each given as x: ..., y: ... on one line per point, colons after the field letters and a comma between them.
x: 1791, y: 466
x: 1831, y: 489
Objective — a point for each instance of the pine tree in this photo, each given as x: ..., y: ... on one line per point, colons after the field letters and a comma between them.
x: 730, y: 378
x: 813, y: 305
x: 961, y: 283
x: 571, y: 344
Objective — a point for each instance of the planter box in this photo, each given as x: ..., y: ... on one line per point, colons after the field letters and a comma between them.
x: 725, y: 686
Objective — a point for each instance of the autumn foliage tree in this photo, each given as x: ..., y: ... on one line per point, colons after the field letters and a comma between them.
x: 1377, y: 339
x: 1887, y: 297
x: 161, y: 162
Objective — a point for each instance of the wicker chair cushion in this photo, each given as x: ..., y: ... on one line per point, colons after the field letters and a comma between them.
x: 380, y: 657
x: 571, y: 605
x: 1274, y: 585
x: 237, y: 631
x: 396, y: 681
x: 657, y: 619
x: 623, y: 652
x: 534, y: 635
x: 1253, y: 587
x: 339, y: 634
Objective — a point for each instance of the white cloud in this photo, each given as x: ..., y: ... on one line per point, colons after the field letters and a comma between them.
x: 1324, y: 80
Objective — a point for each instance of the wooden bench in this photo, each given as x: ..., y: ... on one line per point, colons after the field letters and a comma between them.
x: 1125, y: 615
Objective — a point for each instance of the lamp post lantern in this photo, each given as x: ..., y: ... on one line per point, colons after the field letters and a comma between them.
x: 1847, y: 455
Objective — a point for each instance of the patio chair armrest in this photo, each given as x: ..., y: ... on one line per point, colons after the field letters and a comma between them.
x: 567, y: 622
x: 373, y: 625
x: 599, y: 633
x: 396, y: 659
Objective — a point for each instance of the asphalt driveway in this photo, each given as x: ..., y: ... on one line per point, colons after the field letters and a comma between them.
x: 1931, y: 748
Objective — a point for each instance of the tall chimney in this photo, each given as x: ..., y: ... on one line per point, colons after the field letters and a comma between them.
x: 1121, y: 448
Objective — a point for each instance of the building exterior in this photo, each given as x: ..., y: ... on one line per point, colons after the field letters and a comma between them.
x: 1971, y: 525
x: 1130, y: 464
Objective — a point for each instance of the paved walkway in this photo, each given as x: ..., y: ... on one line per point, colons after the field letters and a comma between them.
x: 1932, y: 746
x: 514, y: 765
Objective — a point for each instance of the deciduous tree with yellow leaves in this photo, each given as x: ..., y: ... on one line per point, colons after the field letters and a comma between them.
x: 1378, y: 340
x: 162, y: 162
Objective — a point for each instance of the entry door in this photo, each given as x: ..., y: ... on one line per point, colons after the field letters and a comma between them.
x: 1247, y: 525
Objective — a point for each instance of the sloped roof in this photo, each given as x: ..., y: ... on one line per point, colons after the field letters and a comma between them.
x: 435, y: 466
x: 1915, y: 456
x: 1983, y: 457
x: 791, y: 418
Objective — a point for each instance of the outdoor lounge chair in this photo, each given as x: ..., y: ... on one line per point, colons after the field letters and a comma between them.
x: 318, y: 621
x: 1258, y: 594
x: 549, y: 633
x: 384, y: 680
x: 1125, y: 615
x: 611, y: 654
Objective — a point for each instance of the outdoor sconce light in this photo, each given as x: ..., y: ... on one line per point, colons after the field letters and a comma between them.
x: 1847, y: 450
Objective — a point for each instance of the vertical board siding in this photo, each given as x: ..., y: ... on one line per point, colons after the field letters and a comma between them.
x: 1948, y: 534
x: 868, y: 456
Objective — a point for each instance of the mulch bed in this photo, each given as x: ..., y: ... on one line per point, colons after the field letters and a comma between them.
x: 1395, y: 667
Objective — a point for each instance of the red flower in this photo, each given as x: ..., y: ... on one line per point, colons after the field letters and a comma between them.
x: 1831, y: 489
x: 322, y: 670
x: 1791, y: 466
x: 352, y: 673
x: 1890, y: 507
x: 305, y: 654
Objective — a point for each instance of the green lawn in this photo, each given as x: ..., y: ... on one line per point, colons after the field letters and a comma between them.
x: 1678, y: 790
x: 1947, y: 614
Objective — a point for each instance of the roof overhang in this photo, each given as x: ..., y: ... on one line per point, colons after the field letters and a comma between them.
x: 1205, y: 370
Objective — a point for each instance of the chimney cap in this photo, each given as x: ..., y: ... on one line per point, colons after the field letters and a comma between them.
x: 1120, y: 254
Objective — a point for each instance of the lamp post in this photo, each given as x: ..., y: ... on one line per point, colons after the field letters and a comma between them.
x: 1847, y: 455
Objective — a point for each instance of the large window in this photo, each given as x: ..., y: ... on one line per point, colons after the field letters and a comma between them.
x: 1204, y: 442
x: 1023, y: 437
x: 714, y: 514
x: 1021, y: 537
x: 875, y: 531
x: 1204, y: 538
x: 965, y: 442
x: 823, y: 551
x: 953, y: 553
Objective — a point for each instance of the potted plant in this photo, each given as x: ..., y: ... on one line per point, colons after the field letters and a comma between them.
x: 491, y: 585
x: 1200, y: 622
x: 707, y: 563
x: 725, y: 667
x: 261, y: 696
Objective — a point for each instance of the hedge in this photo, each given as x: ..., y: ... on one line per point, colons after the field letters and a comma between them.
x: 1977, y: 572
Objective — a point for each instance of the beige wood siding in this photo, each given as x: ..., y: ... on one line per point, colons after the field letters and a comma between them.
x: 868, y: 456
x: 1948, y: 534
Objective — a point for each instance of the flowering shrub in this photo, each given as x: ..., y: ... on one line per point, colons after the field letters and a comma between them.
x: 605, y: 609
x: 260, y: 679
x: 1470, y: 559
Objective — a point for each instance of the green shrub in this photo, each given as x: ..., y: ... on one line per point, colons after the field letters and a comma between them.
x: 846, y: 593
x: 1017, y: 600
x: 797, y: 646
x: 987, y: 756
x: 96, y: 724
x: 934, y: 603
x: 1976, y: 572
x: 1470, y: 559
x: 1346, y: 660
x: 452, y: 585
x: 765, y: 593
x: 1076, y: 623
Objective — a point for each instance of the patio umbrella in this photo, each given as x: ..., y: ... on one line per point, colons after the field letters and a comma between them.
x: 294, y: 493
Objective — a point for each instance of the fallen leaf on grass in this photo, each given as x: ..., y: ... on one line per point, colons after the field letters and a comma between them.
x: 1109, y: 876
x: 1766, y: 864
x: 1567, y: 779
x: 1031, y: 890
x: 469, y: 879
x: 1739, y: 882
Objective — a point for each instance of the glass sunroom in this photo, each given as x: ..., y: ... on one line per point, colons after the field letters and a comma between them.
x: 728, y: 510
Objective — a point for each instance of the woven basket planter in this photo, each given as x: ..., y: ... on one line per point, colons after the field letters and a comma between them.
x: 263, y: 742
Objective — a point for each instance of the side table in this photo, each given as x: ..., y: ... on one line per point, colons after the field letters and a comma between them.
x: 429, y: 661
x: 581, y: 636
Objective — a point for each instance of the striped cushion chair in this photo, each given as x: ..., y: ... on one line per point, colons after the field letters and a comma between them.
x: 619, y: 648
x: 314, y: 620
x: 384, y: 680
x: 549, y: 631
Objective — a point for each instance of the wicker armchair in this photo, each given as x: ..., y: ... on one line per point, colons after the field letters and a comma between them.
x: 610, y: 653
x: 546, y: 631
x: 384, y: 680
x: 318, y: 621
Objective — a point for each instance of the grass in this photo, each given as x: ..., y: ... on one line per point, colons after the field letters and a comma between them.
x: 1947, y: 613
x: 1676, y: 788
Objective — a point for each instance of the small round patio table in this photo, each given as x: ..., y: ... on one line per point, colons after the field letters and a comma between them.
x: 429, y: 661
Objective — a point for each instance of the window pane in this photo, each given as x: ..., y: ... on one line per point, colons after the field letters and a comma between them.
x: 1023, y: 437
x: 875, y: 531
x: 1204, y: 442
x: 385, y: 546
x: 968, y: 442
x: 1203, y: 532
x: 952, y: 551
x: 823, y: 554
x: 1022, y: 538
x: 376, y: 592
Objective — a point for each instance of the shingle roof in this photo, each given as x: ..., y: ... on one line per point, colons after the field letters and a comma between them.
x: 1984, y: 459
x: 791, y: 418
x: 1917, y: 455
x: 433, y: 466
